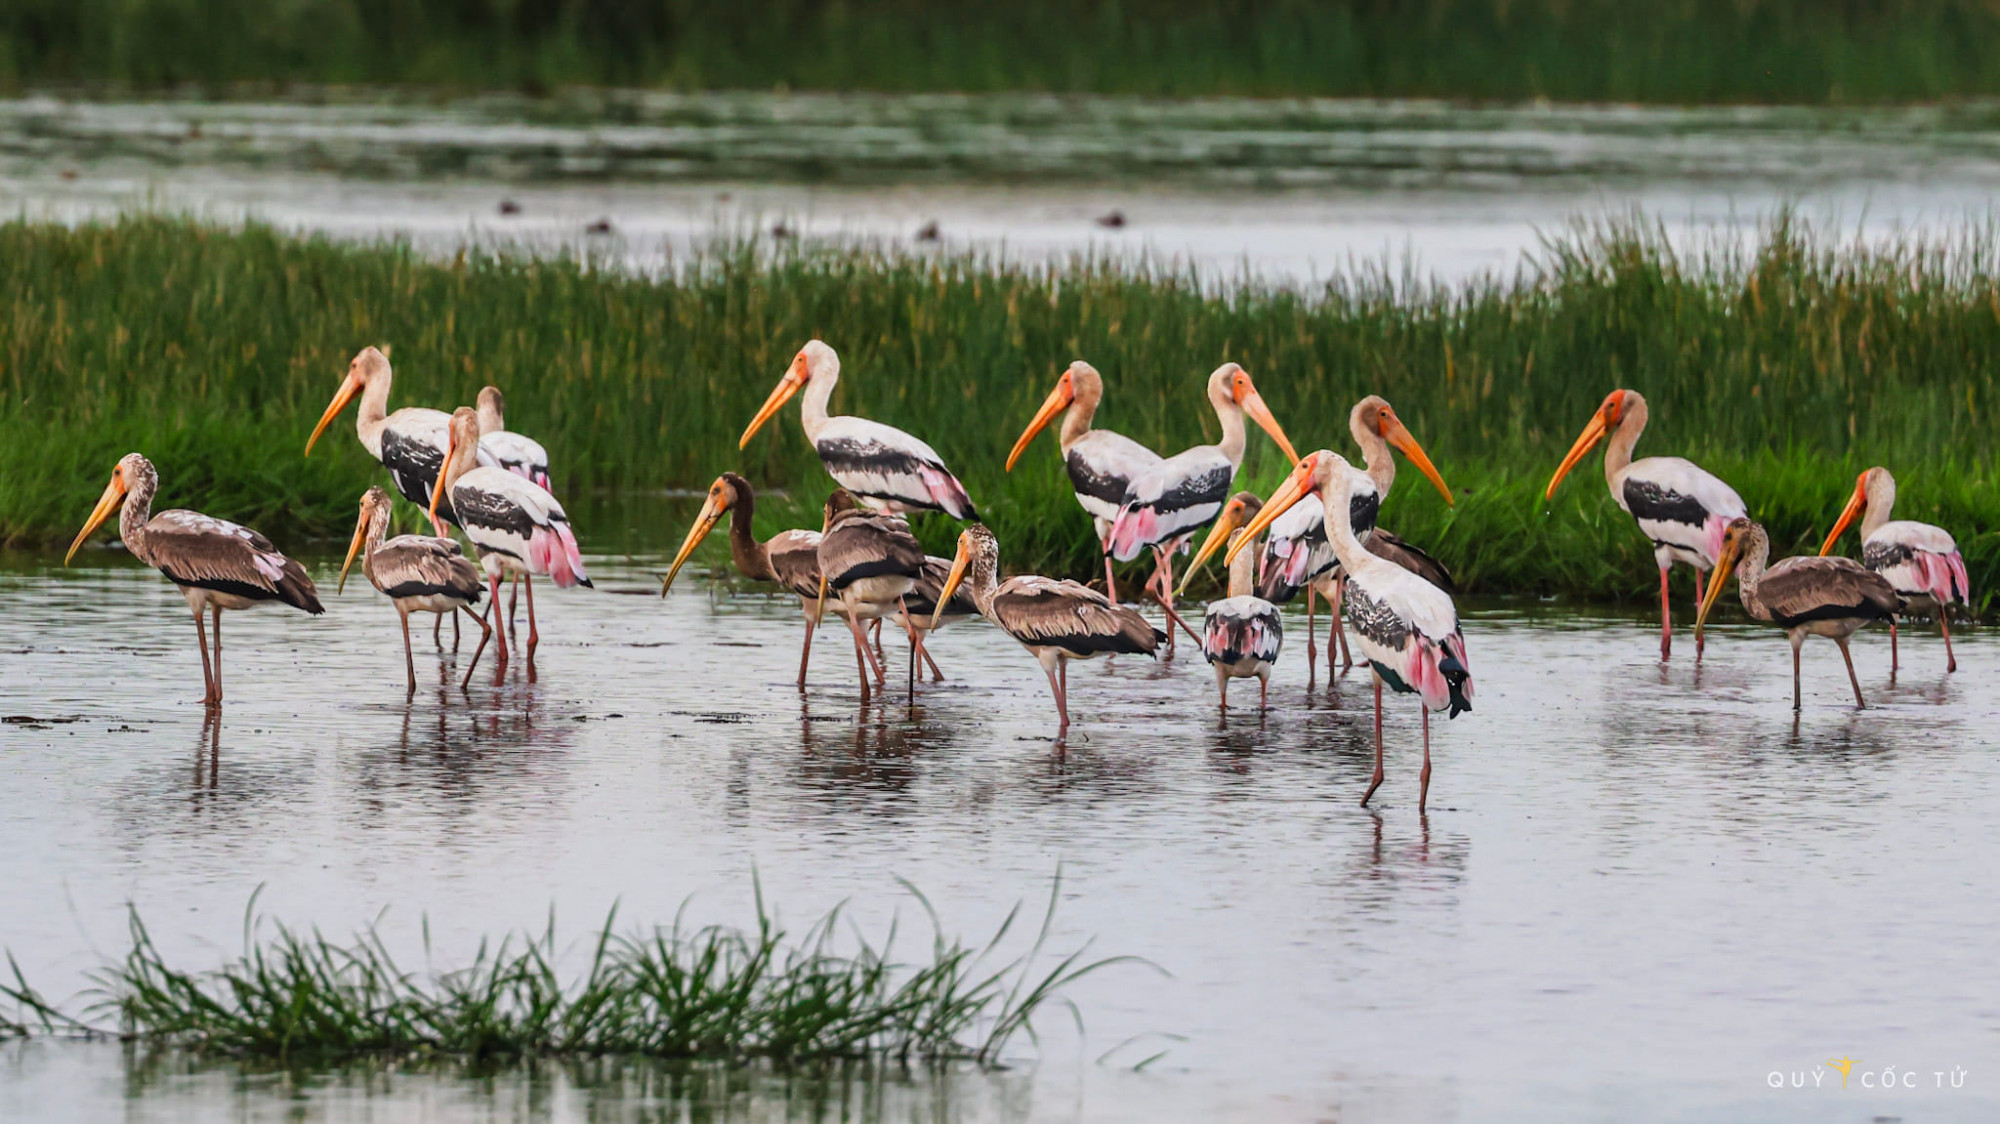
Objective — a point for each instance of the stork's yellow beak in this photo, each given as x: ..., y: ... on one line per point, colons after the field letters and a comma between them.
x: 349, y: 387
x: 1724, y: 566
x: 1230, y: 520
x: 114, y: 495
x: 959, y: 562
x: 1585, y: 442
x: 354, y: 548
x: 437, y: 490
x: 711, y: 514
x: 1296, y: 487
x: 1253, y: 405
x: 1855, y: 506
x: 1398, y: 436
x: 1057, y: 401
x: 794, y: 380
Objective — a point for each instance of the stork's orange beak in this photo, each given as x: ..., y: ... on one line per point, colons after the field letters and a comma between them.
x: 354, y: 548
x: 1296, y: 487
x: 1057, y: 401
x: 794, y: 380
x: 1230, y: 520
x: 1724, y: 566
x: 1398, y: 436
x: 712, y: 510
x: 1855, y: 506
x: 1585, y: 442
x: 959, y: 562
x: 114, y: 495
x: 437, y: 490
x: 1253, y: 405
x: 349, y: 387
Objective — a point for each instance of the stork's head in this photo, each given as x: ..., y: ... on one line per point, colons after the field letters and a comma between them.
x: 727, y: 492
x: 492, y: 410
x: 460, y: 455
x: 1740, y: 539
x: 1618, y: 405
x: 1325, y: 474
x: 838, y: 502
x: 367, y: 366
x: 814, y: 359
x: 1078, y: 381
x: 1230, y: 386
x: 978, y: 554
x: 133, y: 473
x: 1374, y: 415
x: 1874, y: 486
x: 374, y: 508
x: 1241, y: 509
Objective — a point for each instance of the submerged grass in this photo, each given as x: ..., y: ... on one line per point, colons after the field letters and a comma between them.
x: 675, y: 993
x: 1787, y: 366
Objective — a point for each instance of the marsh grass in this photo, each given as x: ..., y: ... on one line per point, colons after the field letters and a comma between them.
x: 1786, y: 365
x: 677, y: 992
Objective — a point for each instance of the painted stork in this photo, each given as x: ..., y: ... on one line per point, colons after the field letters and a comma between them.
x: 1297, y: 554
x: 1682, y: 508
x: 1056, y: 621
x: 868, y: 564
x: 1242, y: 633
x: 217, y: 564
x: 517, y: 525
x: 1805, y: 596
x: 1407, y: 628
x: 1920, y: 560
x: 886, y: 468
x: 1101, y: 464
x: 788, y: 558
x: 1168, y: 502
x: 418, y: 573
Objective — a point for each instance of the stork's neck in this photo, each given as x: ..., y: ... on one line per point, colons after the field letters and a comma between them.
x: 378, y: 526
x: 136, y: 512
x: 490, y: 418
x: 1076, y: 421
x: 1750, y: 574
x: 1618, y: 450
x: 464, y: 458
x: 1231, y: 416
x: 1376, y: 455
x: 819, y: 391
x: 374, y: 412
x: 752, y: 558
x: 1881, y: 503
x: 982, y: 580
x: 1242, y: 571
x: 1340, y: 531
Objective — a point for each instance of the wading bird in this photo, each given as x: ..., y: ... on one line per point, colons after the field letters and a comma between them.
x: 217, y: 564
x: 1101, y: 464
x: 1682, y: 508
x: 788, y: 558
x: 1167, y: 503
x: 1805, y: 596
x: 517, y: 525
x: 1056, y: 621
x: 418, y: 573
x: 883, y: 466
x: 1242, y: 633
x: 1407, y: 627
x: 1297, y: 554
x: 868, y: 563
x: 1920, y: 560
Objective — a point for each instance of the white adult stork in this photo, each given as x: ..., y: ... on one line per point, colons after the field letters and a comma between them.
x: 1407, y: 627
x: 1297, y: 554
x: 418, y: 573
x: 517, y: 525
x: 217, y: 564
x: 1920, y: 560
x: 502, y: 448
x: 1101, y: 464
x: 1679, y: 506
x: 885, y: 467
x: 1805, y: 596
x: 1056, y: 621
x: 788, y: 558
x: 1242, y: 633
x: 869, y: 562
x: 1170, y: 501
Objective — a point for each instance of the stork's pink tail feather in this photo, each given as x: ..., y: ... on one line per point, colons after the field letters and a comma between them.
x: 1133, y: 530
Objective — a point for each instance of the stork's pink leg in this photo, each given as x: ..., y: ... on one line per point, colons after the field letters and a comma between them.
x: 861, y: 654
x: 1852, y: 679
x: 1110, y: 580
x: 207, y: 676
x: 1333, y: 606
x: 409, y: 660
x: 1424, y: 782
x: 534, y: 634
x: 1376, y: 782
x: 1062, y: 691
x: 1895, y: 655
x: 805, y: 652
x: 1062, y: 708
x: 1944, y: 622
x: 218, y: 654
x: 437, y: 632
x: 513, y: 595
x: 1666, y: 618
x: 1167, y: 590
x: 916, y: 645
x: 499, y: 629
x: 485, y: 634
x: 1700, y: 590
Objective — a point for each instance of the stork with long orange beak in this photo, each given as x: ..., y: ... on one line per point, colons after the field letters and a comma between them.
x: 1682, y: 508
x: 1406, y: 627
x: 418, y: 573
x: 1101, y: 464
x: 1167, y: 504
x: 1921, y: 560
x: 884, y: 467
x: 217, y: 564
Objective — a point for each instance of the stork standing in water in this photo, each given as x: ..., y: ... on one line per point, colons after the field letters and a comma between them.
x: 1242, y: 633
x: 1101, y: 464
x: 1297, y: 554
x: 1805, y: 596
x: 217, y: 564
x: 517, y: 453
x: 1682, y: 508
x: 1056, y: 621
x: 886, y: 468
x: 517, y: 525
x: 1407, y: 628
x: 418, y: 573
x: 789, y: 558
x: 1168, y: 502
x: 1920, y: 560
x: 868, y: 563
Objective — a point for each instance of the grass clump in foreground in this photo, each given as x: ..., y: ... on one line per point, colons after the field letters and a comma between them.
x: 709, y: 993
x: 1786, y: 366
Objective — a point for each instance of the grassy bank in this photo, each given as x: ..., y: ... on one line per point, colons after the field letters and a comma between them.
x: 1786, y: 370
x: 1596, y: 50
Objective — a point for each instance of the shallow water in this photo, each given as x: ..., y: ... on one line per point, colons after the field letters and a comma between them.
x: 1639, y: 891
x: 1287, y: 191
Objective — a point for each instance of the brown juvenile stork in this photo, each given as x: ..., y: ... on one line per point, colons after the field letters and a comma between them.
x: 1056, y: 621
x: 418, y: 573
x: 789, y: 559
x: 868, y: 563
x: 1805, y: 596
x: 217, y: 564
x: 1921, y: 560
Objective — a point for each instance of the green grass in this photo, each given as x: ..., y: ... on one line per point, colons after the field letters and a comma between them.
x: 674, y: 992
x: 1787, y: 368
x: 1598, y: 50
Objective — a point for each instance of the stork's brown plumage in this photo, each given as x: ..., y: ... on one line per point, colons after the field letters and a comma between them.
x: 1805, y: 596
x: 418, y: 573
x: 217, y: 564
x: 790, y: 559
x: 868, y: 563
